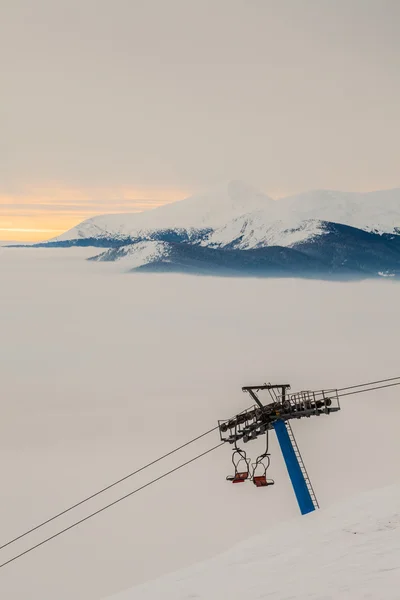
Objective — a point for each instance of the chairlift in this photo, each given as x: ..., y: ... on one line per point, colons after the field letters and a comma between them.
x: 261, y: 465
x: 241, y: 464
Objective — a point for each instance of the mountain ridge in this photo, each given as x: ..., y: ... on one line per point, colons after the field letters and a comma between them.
x: 341, y: 252
x: 199, y: 211
x: 224, y: 204
x: 238, y: 231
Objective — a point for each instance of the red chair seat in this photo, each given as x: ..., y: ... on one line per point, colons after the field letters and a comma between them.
x: 240, y: 477
x: 260, y: 480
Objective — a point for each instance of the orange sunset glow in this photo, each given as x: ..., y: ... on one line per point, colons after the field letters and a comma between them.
x: 42, y: 214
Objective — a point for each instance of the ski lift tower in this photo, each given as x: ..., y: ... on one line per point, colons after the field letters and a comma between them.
x: 262, y: 418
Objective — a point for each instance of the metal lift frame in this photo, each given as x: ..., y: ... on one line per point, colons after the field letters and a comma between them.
x: 252, y: 423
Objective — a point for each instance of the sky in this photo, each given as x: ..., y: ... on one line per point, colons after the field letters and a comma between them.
x: 123, y: 105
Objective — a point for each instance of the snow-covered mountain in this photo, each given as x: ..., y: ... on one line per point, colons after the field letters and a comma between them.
x: 230, y: 208
x: 166, y: 257
x: 372, y: 211
x: 350, y: 551
x: 335, y: 251
x: 237, y: 230
x: 208, y: 210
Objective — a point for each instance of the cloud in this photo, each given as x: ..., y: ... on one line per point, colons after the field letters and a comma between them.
x: 28, y: 213
x: 30, y: 230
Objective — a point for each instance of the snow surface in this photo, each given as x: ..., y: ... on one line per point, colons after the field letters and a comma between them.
x: 101, y: 373
x: 377, y: 211
x: 350, y: 551
x: 142, y: 253
x: 254, y: 231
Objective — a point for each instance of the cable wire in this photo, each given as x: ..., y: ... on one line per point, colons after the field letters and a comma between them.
x: 108, y: 487
x: 369, y: 389
x: 352, y: 387
x: 7, y: 562
x: 104, y: 489
x: 322, y: 393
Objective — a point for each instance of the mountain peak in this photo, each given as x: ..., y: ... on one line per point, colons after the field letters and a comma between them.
x: 208, y: 209
x: 214, y: 207
x: 240, y: 189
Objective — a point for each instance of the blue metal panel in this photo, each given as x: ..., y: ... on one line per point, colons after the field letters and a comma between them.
x: 296, y: 476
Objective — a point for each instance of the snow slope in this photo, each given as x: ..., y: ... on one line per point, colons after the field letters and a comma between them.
x: 137, y: 255
x: 373, y: 211
x: 211, y: 209
x: 350, y: 551
x: 255, y: 230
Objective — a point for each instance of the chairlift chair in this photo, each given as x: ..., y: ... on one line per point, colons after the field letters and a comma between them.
x: 239, y: 458
x: 262, y: 464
